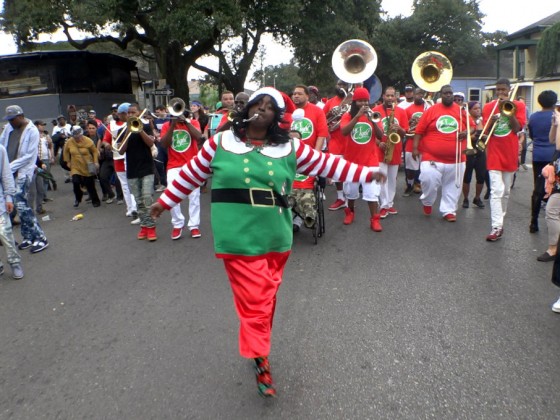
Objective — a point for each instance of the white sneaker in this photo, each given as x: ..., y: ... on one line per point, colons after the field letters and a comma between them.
x: 135, y: 221
x: 556, y: 306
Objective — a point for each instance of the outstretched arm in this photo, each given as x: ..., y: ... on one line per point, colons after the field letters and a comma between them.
x: 315, y: 163
x: 192, y: 175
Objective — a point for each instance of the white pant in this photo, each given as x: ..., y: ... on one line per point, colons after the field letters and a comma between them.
x: 128, y: 198
x: 388, y: 189
x: 553, y: 219
x: 500, y: 185
x: 436, y: 175
x: 411, y: 163
x: 177, y: 218
x: 370, y: 190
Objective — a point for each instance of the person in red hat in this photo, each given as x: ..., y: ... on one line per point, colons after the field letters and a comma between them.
x: 362, y: 138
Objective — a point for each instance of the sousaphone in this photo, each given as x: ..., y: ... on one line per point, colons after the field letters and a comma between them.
x: 354, y: 61
x: 431, y: 70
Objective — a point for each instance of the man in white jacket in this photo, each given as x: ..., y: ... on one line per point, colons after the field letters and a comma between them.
x: 21, y: 140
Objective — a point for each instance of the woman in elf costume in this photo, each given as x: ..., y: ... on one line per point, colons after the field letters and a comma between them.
x: 253, y: 167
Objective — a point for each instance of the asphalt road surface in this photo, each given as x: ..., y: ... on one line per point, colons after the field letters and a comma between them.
x: 423, y: 320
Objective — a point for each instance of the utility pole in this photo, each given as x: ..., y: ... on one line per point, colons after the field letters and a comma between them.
x: 262, y: 53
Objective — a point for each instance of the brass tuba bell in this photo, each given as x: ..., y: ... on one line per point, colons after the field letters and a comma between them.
x: 431, y: 70
x: 354, y: 61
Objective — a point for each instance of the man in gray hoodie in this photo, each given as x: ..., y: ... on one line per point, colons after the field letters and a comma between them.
x: 20, y: 138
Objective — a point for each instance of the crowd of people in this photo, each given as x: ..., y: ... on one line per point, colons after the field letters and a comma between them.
x: 266, y: 152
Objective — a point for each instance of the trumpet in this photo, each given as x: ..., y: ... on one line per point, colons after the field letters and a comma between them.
x: 176, y: 107
x: 374, y: 117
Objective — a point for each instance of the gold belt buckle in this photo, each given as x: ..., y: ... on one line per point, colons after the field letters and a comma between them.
x: 268, y: 190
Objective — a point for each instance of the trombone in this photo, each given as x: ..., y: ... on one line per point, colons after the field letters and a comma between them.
x: 507, y: 109
x: 469, y: 151
x: 133, y: 125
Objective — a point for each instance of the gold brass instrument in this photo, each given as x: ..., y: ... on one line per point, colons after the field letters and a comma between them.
x: 133, y: 125
x: 374, y: 117
x: 507, y: 108
x: 335, y: 114
x: 430, y: 71
x: 470, y: 150
x: 176, y: 107
x: 393, y: 138
x: 354, y: 61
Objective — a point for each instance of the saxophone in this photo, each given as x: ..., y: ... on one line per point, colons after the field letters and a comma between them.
x: 393, y: 138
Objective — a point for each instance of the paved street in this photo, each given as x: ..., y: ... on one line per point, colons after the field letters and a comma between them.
x: 423, y: 320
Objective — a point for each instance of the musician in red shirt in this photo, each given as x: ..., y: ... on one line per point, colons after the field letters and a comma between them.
x: 180, y: 137
x: 389, y: 111
x: 337, y: 141
x: 441, y: 138
x: 411, y: 165
x: 362, y: 137
x: 502, y: 154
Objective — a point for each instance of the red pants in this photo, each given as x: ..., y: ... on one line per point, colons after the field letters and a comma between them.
x: 254, y: 284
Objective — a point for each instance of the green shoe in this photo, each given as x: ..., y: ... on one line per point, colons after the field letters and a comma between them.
x: 265, y: 386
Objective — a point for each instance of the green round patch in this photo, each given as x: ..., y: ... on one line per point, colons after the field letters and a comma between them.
x: 181, y: 140
x: 304, y: 126
x: 446, y: 124
x: 301, y: 178
x: 385, y: 123
x: 502, y: 127
x: 361, y: 133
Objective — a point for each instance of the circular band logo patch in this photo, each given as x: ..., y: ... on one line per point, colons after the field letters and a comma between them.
x: 446, y: 124
x: 300, y: 178
x: 181, y: 140
x: 502, y: 127
x: 416, y: 115
x: 304, y: 126
x: 361, y: 133
x: 385, y: 123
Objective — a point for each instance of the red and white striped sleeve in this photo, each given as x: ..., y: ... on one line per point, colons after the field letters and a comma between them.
x: 312, y: 162
x: 191, y: 176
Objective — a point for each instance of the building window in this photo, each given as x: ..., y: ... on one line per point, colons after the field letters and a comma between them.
x: 520, y: 64
x: 474, y: 95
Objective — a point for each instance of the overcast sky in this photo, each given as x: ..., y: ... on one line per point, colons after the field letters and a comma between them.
x: 505, y: 15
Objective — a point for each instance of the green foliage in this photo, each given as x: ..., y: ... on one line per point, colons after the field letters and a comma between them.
x: 284, y: 76
x: 548, y: 51
x: 323, y: 25
x: 208, y: 94
x: 451, y: 27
